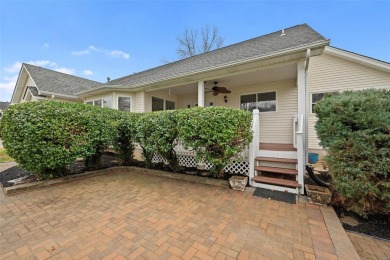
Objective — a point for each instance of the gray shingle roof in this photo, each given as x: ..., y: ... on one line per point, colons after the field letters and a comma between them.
x: 58, y: 82
x: 34, y: 91
x: 294, y: 37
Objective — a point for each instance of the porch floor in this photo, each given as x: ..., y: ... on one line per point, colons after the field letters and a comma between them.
x: 131, y: 214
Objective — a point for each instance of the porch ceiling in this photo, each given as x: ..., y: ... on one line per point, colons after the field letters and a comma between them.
x: 246, y: 79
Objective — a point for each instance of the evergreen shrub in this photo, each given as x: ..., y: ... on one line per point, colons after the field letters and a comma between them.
x: 354, y: 128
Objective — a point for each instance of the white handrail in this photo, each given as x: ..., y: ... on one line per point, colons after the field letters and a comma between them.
x: 254, y: 145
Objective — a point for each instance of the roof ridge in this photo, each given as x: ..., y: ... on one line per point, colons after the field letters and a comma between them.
x: 66, y: 74
x: 205, y: 53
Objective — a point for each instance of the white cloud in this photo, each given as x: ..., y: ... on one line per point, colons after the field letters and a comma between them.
x: 79, y: 53
x: 94, y: 48
x: 119, y: 54
x: 88, y: 72
x: 112, y: 53
x: 46, y: 45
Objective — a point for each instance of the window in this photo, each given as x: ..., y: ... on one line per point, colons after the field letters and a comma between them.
x: 315, y: 97
x: 264, y: 102
x: 124, y: 103
x: 169, y: 105
x: 159, y: 104
x: 101, y: 102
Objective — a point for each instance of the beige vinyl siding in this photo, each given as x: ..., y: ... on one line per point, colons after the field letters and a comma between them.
x: 275, y: 127
x: 139, y: 101
x: 328, y: 73
x: 30, y: 82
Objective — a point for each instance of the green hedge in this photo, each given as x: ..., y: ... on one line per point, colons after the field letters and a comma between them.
x: 157, y: 133
x: 125, y: 137
x: 46, y: 137
x: 354, y: 127
x: 217, y: 134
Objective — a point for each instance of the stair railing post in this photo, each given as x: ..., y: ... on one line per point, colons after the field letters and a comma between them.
x: 254, y: 145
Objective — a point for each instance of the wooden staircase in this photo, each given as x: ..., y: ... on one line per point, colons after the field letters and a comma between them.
x: 276, y: 168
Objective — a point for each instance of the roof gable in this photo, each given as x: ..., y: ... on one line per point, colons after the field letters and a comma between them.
x: 49, y: 81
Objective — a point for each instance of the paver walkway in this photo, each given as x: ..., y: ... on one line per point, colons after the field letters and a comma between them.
x: 370, y: 248
x: 128, y: 214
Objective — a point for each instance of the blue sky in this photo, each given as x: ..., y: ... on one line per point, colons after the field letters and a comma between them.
x: 100, y: 39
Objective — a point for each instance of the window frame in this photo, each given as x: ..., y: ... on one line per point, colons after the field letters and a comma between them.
x: 124, y: 96
x: 256, y: 94
x: 164, y: 103
x: 101, y: 101
x: 311, y: 98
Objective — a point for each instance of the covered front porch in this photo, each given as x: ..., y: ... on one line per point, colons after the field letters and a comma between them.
x: 275, y: 94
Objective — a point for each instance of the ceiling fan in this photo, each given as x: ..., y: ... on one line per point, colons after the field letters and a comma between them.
x: 216, y: 90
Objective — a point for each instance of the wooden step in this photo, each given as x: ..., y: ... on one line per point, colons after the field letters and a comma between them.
x: 277, y: 147
x: 278, y: 182
x: 276, y: 170
x: 279, y: 160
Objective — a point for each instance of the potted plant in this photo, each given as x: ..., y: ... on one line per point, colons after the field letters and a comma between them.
x: 238, y: 182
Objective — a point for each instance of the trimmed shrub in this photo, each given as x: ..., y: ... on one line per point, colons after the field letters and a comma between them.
x: 217, y: 134
x: 46, y: 137
x: 125, y: 137
x: 157, y: 133
x: 354, y: 127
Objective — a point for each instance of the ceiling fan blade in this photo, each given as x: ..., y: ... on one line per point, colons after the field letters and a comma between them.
x: 225, y: 91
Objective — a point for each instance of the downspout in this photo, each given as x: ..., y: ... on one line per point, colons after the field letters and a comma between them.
x: 307, y: 60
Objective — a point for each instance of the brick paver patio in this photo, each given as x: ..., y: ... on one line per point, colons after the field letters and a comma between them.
x: 129, y: 214
x: 369, y: 247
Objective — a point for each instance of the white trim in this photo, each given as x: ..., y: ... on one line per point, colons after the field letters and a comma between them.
x: 124, y: 96
x: 358, y: 58
x: 318, y: 92
x: 277, y: 154
x: 101, y: 100
x: 256, y: 93
x: 164, y: 104
x: 201, y: 93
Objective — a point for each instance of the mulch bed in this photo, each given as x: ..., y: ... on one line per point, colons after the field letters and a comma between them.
x: 375, y: 225
x: 108, y: 160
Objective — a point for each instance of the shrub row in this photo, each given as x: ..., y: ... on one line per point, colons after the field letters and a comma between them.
x: 354, y: 127
x: 46, y: 137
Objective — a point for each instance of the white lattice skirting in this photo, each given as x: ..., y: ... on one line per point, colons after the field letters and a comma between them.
x: 188, y: 160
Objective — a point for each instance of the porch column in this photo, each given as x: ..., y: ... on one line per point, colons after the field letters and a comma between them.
x: 254, y: 145
x: 301, y: 125
x: 200, y: 93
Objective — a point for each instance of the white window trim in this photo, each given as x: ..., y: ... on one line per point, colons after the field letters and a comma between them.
x: 318, y: 92
x: 164, y: 105
x: 101, y: 101
x: 255, y: 93
x: 131, y: 102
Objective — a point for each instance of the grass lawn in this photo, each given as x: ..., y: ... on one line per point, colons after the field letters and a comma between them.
x: 4, y: 156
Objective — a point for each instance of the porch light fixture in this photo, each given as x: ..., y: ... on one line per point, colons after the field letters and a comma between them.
x: 225, y: 98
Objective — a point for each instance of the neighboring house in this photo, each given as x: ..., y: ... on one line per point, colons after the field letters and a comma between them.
x: 280, y: 74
